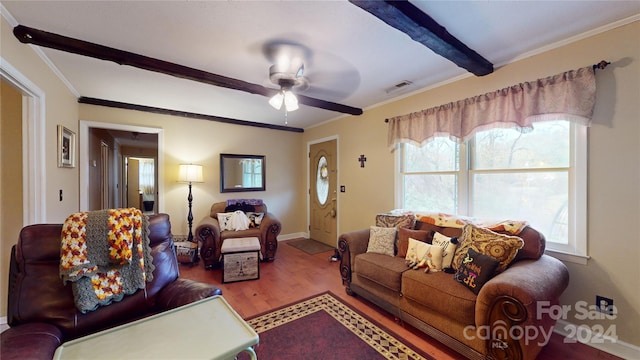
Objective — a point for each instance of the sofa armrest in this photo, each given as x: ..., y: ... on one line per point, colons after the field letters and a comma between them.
x: 270, y: 228
x: 208, y: 233
x: 513, y: 298
x: 351, y: 244
x: 184, y: 291
x: 30, y: 341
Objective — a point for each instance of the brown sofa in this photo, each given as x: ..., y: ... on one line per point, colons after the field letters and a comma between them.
x: 209, y: 234
x: 483, y: 326
x: 41, y: 311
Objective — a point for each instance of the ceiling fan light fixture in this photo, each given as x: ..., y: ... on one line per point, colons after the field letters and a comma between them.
x: 290, y: 101
x: 285, y: 97
x: 277, y: 100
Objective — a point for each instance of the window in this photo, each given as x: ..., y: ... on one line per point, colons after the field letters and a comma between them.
x: 538, y: 176
x: 251, y: 173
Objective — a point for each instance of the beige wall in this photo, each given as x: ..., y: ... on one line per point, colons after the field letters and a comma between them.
x: 614, y: 166
x: 60, y: 109
x: 201, y: 142
x: 10, y: 176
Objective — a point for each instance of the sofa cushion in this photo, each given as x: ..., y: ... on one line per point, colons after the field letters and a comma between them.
x: 251, y: 232
x: 503, y: 248
x: 403, y: 239
x: 534, y: 244
x: 381, y: 240
x: 398, y: 221
x: 448, y: 231
x: 45, y: 336
x: 440, y: 292
x: 476, y: 269
x: 381, y: 269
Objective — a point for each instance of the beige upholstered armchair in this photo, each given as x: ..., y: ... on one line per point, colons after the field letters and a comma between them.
x: 211, y: 234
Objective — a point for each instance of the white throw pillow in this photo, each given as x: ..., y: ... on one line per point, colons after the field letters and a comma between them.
x: 448, y: 248
x: 431, y: 254
x: 224, y: 221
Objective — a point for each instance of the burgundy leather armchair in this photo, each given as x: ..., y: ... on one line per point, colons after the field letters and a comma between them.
x: 41, y: 311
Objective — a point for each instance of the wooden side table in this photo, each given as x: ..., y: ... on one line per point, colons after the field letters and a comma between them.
x: 206, y: 329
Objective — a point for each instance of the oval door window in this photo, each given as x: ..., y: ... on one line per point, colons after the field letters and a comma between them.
x: 322, y: 181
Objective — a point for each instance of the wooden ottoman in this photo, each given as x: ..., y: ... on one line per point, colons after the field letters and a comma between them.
x: 240, y: 259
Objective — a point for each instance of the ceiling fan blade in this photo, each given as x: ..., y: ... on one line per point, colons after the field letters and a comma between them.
x: 336, y: 85
x: 42, y: 38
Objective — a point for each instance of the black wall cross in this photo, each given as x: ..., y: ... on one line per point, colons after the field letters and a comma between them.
x: 362, y: 159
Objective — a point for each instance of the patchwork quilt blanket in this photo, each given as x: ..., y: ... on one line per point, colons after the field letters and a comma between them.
x: 105, y: 255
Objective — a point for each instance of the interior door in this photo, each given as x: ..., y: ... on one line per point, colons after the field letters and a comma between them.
x: 323, y: 176
x: 105, y: 175
x: 133, y: 183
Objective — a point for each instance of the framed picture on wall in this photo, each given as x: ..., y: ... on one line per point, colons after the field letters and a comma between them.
x: 66, y: 147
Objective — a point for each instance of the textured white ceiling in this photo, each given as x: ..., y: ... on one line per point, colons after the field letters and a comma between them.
x: 353, y: 58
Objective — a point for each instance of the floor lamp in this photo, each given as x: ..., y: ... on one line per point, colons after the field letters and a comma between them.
x: 190, y: 173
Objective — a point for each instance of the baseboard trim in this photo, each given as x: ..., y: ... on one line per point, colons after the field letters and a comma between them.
x: 3, y: 323
x: 601, y: 342
x: 293, y: 236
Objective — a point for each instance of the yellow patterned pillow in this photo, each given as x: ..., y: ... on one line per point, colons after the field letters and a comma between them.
x: 503, y: 248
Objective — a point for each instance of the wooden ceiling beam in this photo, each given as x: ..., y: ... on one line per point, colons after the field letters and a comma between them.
x: 420, y: 27
x: 190, y: 115
x: 29, y: 35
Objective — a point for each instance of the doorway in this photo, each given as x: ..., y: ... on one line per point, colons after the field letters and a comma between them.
x: 135, y: 133
x: 323, y: 196
x: 140, y: 183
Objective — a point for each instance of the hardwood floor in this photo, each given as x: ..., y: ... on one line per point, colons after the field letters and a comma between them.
x: 295, y: 275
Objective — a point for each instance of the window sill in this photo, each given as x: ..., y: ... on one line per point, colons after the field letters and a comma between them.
x: 564, y: 256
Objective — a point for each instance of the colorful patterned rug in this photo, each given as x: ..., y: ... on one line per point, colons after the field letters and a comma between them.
x: 323, y: 327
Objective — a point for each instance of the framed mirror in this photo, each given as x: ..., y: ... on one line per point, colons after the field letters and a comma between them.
x: 242, y: 173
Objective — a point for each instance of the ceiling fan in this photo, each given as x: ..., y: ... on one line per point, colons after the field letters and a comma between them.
x: 59, y: 42
x: 287, y: 73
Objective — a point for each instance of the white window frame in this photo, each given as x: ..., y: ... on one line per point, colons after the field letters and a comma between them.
x: 576, y: 250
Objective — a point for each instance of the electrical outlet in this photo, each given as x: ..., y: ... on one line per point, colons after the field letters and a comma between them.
x: 604, y: 305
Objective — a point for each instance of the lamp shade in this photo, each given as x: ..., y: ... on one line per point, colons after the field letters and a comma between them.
x: 276, y: 100
x: 290, y: 101
x: 190, y: 173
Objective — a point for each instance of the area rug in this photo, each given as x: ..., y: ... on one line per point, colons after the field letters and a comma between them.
x: 323, y: 327
x: 310, y: 246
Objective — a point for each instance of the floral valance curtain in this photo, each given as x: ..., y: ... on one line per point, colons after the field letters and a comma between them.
x: 568, y: 96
